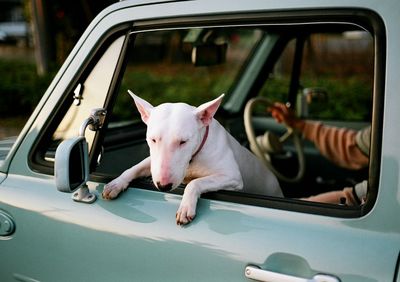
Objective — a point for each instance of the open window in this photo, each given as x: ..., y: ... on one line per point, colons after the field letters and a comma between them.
x: 323, y: 70
x: 326, y: 70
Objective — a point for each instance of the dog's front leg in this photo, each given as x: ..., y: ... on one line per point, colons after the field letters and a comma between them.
x: 187, y: 208
x: 119, y: 184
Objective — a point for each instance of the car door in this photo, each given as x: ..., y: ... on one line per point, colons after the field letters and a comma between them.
x: 135, y: 238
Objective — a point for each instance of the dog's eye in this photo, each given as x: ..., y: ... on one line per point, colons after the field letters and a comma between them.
x: 153, y: 140
x: 182, y: 142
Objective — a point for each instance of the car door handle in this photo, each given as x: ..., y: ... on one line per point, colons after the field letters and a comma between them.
x: 256, y: 273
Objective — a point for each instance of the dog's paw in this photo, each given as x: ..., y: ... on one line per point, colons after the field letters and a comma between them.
x: 114, y: 188
x: 185, y: 214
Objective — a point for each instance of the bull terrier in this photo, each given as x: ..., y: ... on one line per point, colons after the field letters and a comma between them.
x: 187, y: 145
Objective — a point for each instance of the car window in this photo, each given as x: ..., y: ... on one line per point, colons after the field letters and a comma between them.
x: 88, y: 94
x: 321, y: 69
x: 331, y: 76
x: 336, y: 73
x: 163, y: 67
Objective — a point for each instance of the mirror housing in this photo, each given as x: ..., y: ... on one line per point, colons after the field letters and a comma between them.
x: 71, y: 169
x: 71, y: 164
x: 307, y: 97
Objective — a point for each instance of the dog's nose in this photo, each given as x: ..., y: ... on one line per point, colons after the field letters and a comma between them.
x: 164, y: 188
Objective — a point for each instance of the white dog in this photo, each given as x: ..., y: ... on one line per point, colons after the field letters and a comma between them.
x: 187, y: 145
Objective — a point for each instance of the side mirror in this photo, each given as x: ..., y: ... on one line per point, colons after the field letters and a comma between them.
x: 71, y: 164
x: 72, y: 169
x: 209, y: 54
x: 313, y: 95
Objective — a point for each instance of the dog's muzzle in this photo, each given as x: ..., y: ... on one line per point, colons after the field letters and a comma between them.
x: 164, y: 188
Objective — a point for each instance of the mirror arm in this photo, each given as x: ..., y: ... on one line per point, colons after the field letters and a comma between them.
x: 95, y: 121
x: 84, y: 125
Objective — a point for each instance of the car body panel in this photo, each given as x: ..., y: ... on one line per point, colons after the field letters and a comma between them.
x: 135, y: 236
x: 139, y: 228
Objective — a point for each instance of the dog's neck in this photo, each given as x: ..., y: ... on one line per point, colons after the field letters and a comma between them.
x: 202, y: 143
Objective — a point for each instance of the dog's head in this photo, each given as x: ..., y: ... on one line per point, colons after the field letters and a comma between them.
x: 175, y: 132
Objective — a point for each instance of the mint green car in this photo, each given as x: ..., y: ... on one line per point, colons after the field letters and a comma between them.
x: 336, y: 62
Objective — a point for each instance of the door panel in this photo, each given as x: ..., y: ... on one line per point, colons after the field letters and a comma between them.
x: 135, y: 238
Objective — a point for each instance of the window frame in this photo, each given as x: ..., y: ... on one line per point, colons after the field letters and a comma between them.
x: 365, y: 18
x: 37, y: 154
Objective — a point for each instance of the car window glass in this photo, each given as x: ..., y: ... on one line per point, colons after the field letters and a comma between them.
x: 336, y: 74
x: 90, y: 94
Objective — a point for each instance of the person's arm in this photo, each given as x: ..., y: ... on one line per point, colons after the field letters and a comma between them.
x: 350, y: 196
x: 336, y: 144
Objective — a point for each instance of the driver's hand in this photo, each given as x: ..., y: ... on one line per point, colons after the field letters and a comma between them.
x: 284, y: 114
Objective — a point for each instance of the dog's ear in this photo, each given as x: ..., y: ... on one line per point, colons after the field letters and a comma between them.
x: 206, y: 111
x: 143, y: 107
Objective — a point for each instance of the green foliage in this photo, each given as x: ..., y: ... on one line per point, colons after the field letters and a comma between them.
x: 347, y: 99
x: 159, y: 87
x: 20, y: 87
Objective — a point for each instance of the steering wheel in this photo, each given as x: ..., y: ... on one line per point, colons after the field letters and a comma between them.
x: 269, y: 143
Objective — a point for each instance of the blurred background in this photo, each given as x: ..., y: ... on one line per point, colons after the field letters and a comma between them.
x: 36, y: 36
